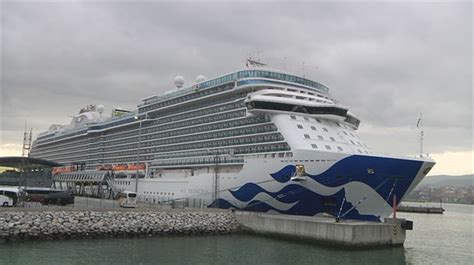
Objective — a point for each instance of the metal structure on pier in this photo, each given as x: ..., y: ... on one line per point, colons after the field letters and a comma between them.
x: 98, y: 184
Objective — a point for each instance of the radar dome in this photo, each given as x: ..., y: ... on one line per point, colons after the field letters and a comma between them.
x: 179, y: 81
x: 200, y: 78
x: 100, y: 109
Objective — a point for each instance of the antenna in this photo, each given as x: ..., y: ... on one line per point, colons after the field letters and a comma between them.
x: 257, y: 55
x: 419, y: 125
x: 303, y: 69
x: 26, y: 142
x: 254, y: 63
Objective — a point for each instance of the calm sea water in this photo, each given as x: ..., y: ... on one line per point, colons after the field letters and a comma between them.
x: 436, y: 239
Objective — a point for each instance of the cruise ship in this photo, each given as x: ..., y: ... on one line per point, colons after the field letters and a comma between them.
x: 256, y: 139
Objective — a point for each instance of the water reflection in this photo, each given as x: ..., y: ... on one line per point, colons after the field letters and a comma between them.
x: 233, y: 249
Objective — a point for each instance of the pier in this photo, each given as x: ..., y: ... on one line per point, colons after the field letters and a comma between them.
x: 326, y: 230
x: 420, y: 209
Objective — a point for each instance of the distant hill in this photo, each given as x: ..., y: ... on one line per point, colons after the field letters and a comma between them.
x: 445, y: 180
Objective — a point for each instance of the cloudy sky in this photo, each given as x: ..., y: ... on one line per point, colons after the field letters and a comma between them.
x: 386, y: 61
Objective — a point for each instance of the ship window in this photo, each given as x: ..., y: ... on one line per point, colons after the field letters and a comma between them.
x: 324, y: 129
x: 306, y: 136
x: 332, y: 139
x: 293, y: 117
x: 328, y: 147
x: 314, y: 146
x: 340, y: 148
x: 300, y: 126
x: 352, y: 142
x: 344, y: 132
x: 313, y: 128
x: 320, y: 137
x: 306, y: 118
x: 318, y: 120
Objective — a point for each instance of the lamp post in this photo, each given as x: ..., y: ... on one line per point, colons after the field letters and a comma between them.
x: 216, y: 181
x: 138, y: 150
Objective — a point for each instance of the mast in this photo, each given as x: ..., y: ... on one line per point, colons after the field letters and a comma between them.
x: 419, y: 125
x: 254, y: 63
x: 26, y: 142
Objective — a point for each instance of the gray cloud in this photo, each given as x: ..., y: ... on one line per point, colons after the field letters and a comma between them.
x: 387, y: 62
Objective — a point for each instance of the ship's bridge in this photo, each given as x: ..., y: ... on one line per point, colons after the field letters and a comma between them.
x: 284, y: 99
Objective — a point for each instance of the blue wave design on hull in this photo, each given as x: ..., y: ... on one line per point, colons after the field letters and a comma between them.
x: 355, y: 168
x: 250, y: 190
x: 308, y: 203
x: 284, y: 174
x: 391, y: 176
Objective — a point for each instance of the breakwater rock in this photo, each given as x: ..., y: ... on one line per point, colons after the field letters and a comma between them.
x: 19, y: 225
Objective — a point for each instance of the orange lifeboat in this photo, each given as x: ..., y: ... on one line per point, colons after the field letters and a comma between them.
x: 104, y: 167
x: 58, y: 170
x: 136, y: 167
x: 120, y: 167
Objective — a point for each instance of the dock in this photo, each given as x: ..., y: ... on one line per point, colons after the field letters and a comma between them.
x: 420, y: 209
x: 326, y: 230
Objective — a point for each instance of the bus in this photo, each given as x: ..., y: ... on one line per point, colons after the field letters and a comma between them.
x: 128, y: 199
x: 12, y: 196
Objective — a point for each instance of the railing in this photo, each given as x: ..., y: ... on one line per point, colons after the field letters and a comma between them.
x: 240, y: 75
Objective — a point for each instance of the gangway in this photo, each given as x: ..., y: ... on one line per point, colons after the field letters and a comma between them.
x: 112, y: 185
x: 87, y: 183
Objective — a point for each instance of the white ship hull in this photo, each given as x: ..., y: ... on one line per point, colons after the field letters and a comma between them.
x: 339, y: 185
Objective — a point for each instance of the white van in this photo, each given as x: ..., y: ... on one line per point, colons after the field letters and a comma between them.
x: 11, y: 196
x: 128, y: 199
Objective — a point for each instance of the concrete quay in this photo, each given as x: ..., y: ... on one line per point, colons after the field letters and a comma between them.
x: 325, y: 230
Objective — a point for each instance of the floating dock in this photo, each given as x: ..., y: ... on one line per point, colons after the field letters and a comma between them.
x: 420, y: 209
x: 326, y: 230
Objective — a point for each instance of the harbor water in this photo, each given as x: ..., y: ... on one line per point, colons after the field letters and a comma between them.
x: 436, y: 239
